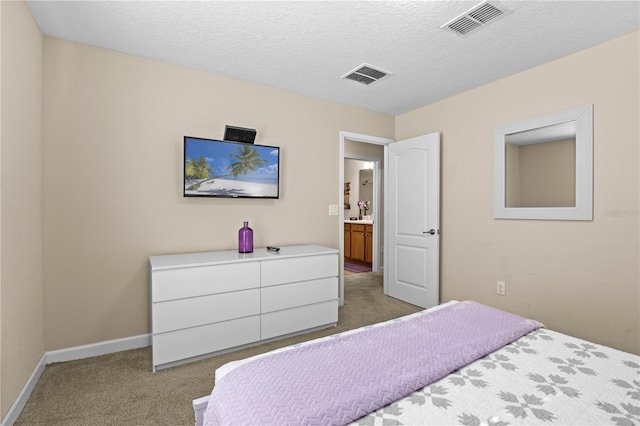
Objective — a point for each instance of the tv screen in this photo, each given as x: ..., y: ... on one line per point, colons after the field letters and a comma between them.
x: 214, y: 168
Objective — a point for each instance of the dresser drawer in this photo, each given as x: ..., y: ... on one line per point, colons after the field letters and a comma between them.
x: 287, y: 296
x: 298, y: 319
x: 191, y: 342
x: 295, y: 269
x: 183, y: 313
x: 202, y: 280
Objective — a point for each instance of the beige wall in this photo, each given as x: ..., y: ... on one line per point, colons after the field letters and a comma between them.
x: 21, y: 306
x: 581, y: 278
x: 112, y: 162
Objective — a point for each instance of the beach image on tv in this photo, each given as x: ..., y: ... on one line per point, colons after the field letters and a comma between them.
x: 228, y: 169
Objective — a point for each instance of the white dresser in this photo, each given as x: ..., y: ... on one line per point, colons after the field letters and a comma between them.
x: 203, y: 303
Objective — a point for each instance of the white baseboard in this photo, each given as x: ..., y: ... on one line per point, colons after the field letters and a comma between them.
x: 100, y: 348
x: 16, y: 408
x: 70, y: 354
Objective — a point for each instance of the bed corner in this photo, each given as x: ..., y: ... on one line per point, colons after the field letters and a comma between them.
x: 199, y: 406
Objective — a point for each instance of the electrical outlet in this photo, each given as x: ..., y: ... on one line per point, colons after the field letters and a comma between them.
x: 501, y: 288
x: 333, y: 210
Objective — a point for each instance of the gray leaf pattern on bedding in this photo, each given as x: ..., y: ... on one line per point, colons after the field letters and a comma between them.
x: 520, y: 345
x: 630, y: 412
x: 586, y: 350
x: 553, y: 385
x: 634, y: 393
x: 491, y: 362
x: 544, y: 377
x: 572, y: 366
x: 540, y: 335
x: 433, y: 393
x: 462, y: 377
x: 520, y: 408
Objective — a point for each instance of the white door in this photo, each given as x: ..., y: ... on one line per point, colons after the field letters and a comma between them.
x: 413, y: 220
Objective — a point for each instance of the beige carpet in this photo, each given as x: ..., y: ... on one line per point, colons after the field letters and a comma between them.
x: 121, y: 389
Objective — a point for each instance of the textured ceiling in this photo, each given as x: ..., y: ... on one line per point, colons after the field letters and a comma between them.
x: 306, y: 46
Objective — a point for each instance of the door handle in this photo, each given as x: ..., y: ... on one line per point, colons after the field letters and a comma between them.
x: 431, y: 232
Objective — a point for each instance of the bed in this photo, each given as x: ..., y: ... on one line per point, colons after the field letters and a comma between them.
x: 476, y: 366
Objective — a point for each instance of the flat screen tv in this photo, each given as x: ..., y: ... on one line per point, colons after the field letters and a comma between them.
x: 214, y: 168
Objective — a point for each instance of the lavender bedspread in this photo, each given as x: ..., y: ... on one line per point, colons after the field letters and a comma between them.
x: 337, y: 381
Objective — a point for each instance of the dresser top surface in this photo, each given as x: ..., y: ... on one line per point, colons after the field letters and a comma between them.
x: 172, y: 261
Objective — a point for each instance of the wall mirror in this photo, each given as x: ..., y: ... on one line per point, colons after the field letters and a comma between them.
x: 366, y: 187
x: 543, y: 167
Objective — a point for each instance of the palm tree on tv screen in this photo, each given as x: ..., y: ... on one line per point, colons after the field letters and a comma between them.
x: 247, y: 159
x: 197, y: 169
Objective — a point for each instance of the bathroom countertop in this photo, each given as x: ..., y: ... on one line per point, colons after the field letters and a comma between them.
x: 363, y: 222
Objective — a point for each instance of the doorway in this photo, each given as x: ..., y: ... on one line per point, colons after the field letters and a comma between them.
x: 362, y: 199
x: 359, y: 147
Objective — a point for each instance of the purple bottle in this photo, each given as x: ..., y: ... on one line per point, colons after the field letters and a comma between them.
x: 245, y: 239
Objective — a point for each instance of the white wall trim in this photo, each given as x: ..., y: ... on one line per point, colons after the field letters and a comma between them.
x: 70, y: 354
x: 16, y: 408
x: 100, y: 348
x: 357, y: 137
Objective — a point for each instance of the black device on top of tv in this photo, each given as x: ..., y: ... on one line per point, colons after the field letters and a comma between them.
x: 239, y: 134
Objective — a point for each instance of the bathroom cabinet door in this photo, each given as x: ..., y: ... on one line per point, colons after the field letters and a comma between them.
x: 368, y: 243
x: 358, y: 242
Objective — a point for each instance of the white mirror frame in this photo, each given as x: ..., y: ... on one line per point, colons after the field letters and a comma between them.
x: 583, y: 118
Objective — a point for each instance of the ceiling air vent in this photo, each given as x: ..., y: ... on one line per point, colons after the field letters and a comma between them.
x: 366, y: 74
x: 476, y: 17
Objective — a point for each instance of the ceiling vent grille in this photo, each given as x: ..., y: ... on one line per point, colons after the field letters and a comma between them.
x: 476, y: 17
x: 366, y: 74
